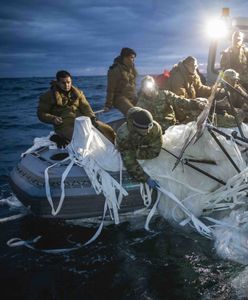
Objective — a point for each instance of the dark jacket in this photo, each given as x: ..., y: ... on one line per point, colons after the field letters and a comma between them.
x: 121, y: 83
x: 68, y: 106
x: 187, y: 85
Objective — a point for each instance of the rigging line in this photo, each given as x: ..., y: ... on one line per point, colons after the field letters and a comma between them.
x: 186, y: 162
x: 223, y: 149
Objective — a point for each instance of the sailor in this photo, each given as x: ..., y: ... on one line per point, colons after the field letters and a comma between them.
x: 162, y: 104
x: 121, y: 85
x: 232, y: 108
x: 140, y: 137
x: 239, y: 98
x: 184, y: 81
x: 62, y: 104
x: 236, y: 57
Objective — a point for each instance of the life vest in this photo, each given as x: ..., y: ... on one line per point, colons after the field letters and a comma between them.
x: 161, y: 79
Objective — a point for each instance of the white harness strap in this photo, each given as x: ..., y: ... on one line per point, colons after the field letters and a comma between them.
x: 41, y: 142
x: 17, y: 242
x: 120, y: 196
x: 47, y: 185
x: 200, y: 227
x: 146, y: 194
x: 152, y: 212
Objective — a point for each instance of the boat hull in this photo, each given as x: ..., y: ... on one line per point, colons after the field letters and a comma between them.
x: 81, y: 201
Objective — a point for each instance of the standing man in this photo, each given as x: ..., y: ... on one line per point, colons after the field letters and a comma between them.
x: 236, y: 57
x: 121, y: 85
x: 62, y: 104
x: 139, y: 138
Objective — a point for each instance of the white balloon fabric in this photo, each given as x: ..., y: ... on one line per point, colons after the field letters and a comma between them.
x: 87, y: 138
x: 188, y: 194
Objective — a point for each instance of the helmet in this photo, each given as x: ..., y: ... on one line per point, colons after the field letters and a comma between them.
x: 147, y: 81
x: 149, y: 86
x: 141, y: 118
x: 230, y: 76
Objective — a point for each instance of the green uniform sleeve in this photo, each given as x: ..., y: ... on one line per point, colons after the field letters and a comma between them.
x: 200, y: 89
x: 133, y: 167
x: 177, y: 101
x: 44, y: 109
x: 84, y: 106
x: 149, y: 149
x: 128, y: 156
x: 152, y: 149
x: 177, y: 87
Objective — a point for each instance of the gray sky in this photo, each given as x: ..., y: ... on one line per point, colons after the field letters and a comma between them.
x: 83, y: 36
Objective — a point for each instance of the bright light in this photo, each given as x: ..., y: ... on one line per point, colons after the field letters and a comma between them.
x: 217, y: 29
x: 149, y: 84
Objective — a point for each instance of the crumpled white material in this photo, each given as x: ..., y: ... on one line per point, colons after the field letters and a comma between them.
x: 189, y: 197
x: 198, y: 193
x: 86, y: 138
x: 41, y: 142
x: 92, y: 151
x: 96, y: 154
x: 186, y: 184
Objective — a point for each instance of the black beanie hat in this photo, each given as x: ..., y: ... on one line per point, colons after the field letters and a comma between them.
x: 127, y: 52
x: 142, y: 119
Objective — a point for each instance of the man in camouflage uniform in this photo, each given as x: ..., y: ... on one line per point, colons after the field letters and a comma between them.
x: 62, y: 104
x: 162, y: 104
x: 236, y: 57
x: 224, y: 114
x: 139, y: 138
x: 121, y: 85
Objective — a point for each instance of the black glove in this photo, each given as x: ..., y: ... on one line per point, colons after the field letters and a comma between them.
x: 60, y: 141
x: 94, y: 121
x: 199, y: 103
x: 152, y: 183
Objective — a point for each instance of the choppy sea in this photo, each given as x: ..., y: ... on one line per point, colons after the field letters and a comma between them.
x: 125, y: 262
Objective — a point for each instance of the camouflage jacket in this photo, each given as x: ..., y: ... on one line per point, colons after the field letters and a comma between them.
x: 224, y: 115
x: 186, y: 85
x: 236, y: 98
x: 68, y: 106
x: 165, y: 107
x: 133, y: 146
x: 121, y: 82
x: 226, y: 119
x: 236, y: 59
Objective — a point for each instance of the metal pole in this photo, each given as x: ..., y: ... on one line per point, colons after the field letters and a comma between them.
x: 235, y: 114
x: 184, y: 161
x: 224, y: 150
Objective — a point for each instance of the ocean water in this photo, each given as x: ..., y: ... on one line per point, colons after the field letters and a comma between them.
x: 125, y: 262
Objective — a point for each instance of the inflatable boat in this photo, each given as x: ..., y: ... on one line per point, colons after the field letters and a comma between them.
x: 81, y: 200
